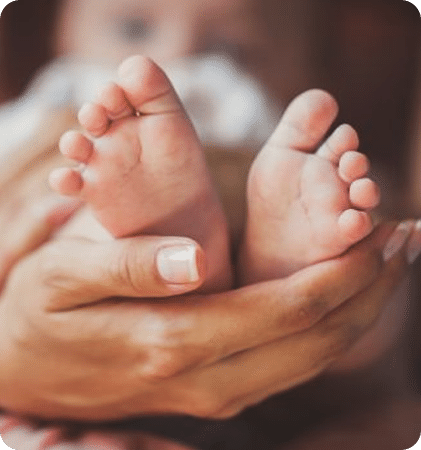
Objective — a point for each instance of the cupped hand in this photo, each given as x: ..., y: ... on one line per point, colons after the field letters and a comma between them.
x: 84, y: 335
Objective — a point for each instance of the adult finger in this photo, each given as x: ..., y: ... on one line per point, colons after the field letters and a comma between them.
x: 74, y: 272
x: 176, y: 334
x: 285, y: 363
x: 226, y: 323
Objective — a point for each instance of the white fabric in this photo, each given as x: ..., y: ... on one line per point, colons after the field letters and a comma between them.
x: 227, y: 107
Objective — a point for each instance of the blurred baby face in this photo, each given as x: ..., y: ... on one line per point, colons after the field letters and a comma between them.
x: 110, y: 30
x: 227, y: 41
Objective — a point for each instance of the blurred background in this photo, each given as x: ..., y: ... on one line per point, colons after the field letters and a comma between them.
x: 366, y: 53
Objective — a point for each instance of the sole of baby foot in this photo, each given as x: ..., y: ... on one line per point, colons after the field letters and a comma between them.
x: 141, y: 166
x: 309, y: 198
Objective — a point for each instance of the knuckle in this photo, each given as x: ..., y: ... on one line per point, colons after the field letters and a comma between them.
x: 162, y: 365
x: 308, y: 312
x: 51, y: 282
x: 165, y: 363
x: 127, y: 268
x: 169, y: 342
x: 51, y: 273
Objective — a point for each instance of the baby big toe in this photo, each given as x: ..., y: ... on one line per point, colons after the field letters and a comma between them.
x: 75, y: 146
x: 147, y: 87
x: 364, y: 194
x: 355, y: 225
x: 94, y: 118
x: 306, y: 121
x: 66, y: 181
x: 353, y: 165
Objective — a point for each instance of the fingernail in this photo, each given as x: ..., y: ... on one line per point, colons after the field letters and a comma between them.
x: 397, y: 240
x: 178, y: 264
x: 414, y: 245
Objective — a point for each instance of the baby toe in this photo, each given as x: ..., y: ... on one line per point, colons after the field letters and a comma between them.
x: 112, y: 98
x: 353, y: 165
x: 66, y: 181
x: 306, y: 121
x: 355, y: 225
x: 343, y: 139
x: 76, y: 146
x: 94, y: 118
x: 147, y: 87
x: 364, y: 194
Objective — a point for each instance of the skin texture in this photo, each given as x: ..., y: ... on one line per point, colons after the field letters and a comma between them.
x: 184, y: 28
x: 191, y: 358
x: 189, y: 349
x: 42, y: 322
x: 147, y: 174
x: 308, y: 197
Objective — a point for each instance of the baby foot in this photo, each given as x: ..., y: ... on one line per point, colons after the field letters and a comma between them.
x: 141, y: 166
x: 306, y: 205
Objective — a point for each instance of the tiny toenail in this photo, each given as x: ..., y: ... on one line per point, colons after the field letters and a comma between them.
x: 414, y: 245
x: 178, y: 264
x: 128, y: 72
x: 138, y: 113
x: 397, y: 240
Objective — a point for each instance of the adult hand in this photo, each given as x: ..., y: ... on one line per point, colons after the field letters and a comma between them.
x: 68, y: 353
x: 25, y: 226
